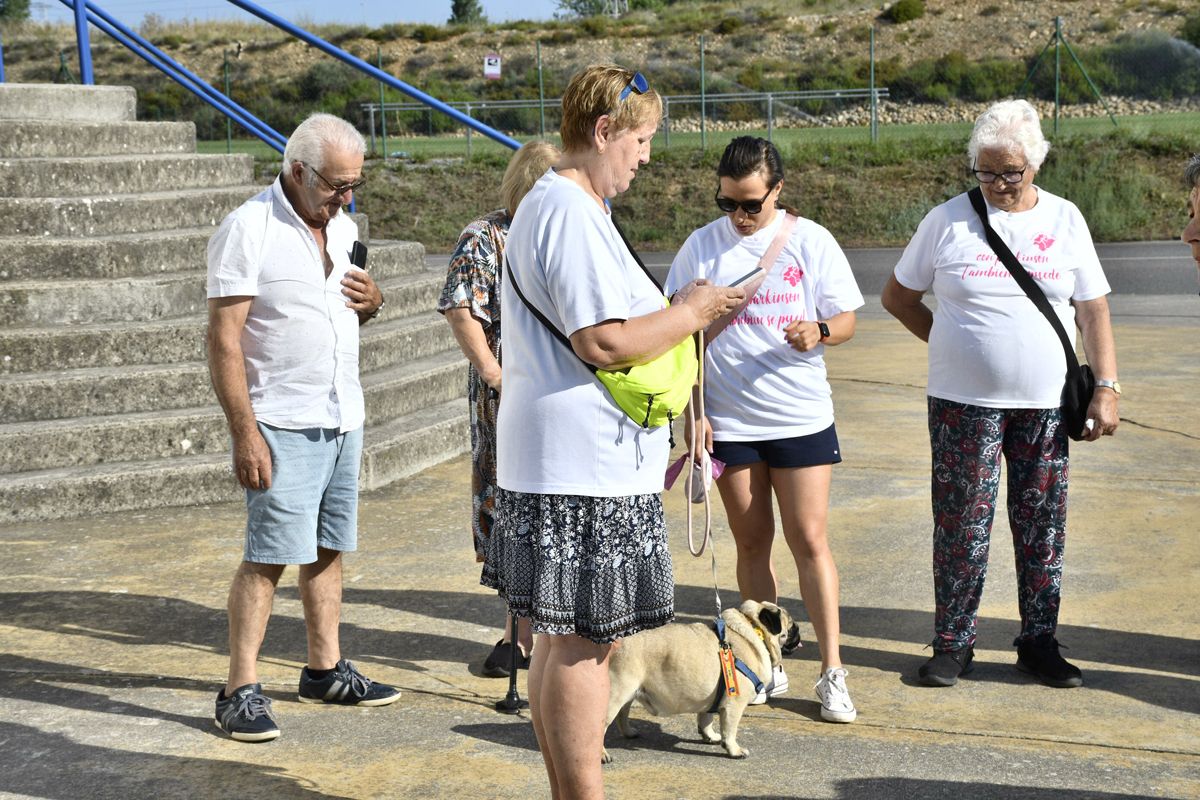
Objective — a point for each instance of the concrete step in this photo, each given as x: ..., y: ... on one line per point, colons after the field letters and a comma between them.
x: 164, y: 297
x: 123, y: 174
x: 133, y: 255
x: 40, y: 139
x: 412, y: 443
x: 103, y: 391
x: 100, y: 215
x: 67, y: 103
x: 163, y: 434
x: 392, y: 451
x: 414, y: 385
x: 114, y: 344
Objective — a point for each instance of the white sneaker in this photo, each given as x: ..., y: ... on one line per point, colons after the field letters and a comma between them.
x: 835, y: 697
x: 777, y: 685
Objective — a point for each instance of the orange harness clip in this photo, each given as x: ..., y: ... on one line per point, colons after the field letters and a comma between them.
x: 729, y: 669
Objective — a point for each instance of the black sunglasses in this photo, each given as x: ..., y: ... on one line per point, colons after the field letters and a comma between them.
x: 729, y: 205
x: 345, y: 187
x: 637, y: 85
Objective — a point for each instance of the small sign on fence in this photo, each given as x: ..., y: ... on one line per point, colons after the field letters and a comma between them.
x: 491, y: 67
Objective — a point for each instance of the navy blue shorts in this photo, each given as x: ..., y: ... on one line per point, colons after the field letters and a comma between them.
x: 798, y: 451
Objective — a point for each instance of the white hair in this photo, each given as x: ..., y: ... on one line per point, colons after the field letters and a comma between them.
x: 308, y: 143
x: 1007, y: 125
x: 1191, y: 173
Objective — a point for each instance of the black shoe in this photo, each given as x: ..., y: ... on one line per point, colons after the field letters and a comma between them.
x: 1039, y: 657
x: 497, y: 663
x: 345, y: 686
x: 246, y: 716
x: 946, y: 666
x: 792, y: 642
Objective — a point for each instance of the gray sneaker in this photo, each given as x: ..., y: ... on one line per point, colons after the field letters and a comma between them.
x: 246, y: 715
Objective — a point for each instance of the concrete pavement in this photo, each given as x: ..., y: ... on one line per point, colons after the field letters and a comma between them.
x: 112, y: 634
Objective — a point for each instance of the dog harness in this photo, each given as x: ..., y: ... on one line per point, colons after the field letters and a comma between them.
x: 722, y: 687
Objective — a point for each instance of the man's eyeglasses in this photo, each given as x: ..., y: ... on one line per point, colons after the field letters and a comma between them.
x: 637, y: 85
x: 729, y: 205
x: 345, y: 187
x: 983, y: 176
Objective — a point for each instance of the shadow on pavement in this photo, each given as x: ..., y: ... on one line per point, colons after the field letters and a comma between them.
x: 121, y: 774
x: 876, y: 788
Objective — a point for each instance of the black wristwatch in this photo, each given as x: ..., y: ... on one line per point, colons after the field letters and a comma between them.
x: 824, y: 329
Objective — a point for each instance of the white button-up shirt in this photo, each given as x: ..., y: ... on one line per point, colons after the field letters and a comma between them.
x: 300, y: 340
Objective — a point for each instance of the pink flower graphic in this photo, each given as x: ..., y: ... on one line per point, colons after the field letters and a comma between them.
x: 1043, y: 241
x: 793, y: 274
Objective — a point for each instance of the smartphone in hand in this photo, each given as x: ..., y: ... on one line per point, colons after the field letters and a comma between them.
x: 358, y: 255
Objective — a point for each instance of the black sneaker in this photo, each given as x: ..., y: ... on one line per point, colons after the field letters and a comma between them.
x: 345, y: 686
x: 246, y: 716
x: 946, y: 666
x: 497, y: 663
x: 792, y: 642
x: 1039, y: 657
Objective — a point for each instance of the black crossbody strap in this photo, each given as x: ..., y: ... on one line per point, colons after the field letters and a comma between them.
x: 1032, y: 290
x: 508, y: 275
x: 542, y: 317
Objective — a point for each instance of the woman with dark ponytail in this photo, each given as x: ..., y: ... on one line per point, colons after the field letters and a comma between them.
x: 769, y: 410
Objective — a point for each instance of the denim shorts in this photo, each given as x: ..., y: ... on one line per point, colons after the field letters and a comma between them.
x: 313, y: 499
x: 798, y: 451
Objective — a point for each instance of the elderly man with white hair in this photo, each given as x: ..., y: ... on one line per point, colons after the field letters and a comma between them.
x: 996, y: 378
x: 285, y: 304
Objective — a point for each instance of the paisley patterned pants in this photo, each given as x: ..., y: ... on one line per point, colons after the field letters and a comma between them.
x: 967, y: 443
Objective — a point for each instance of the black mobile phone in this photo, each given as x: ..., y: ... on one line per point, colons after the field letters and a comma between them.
x: 746, y: 277
x: 358, y: 255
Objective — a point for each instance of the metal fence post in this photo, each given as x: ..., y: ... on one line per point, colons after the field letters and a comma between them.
x: 666, y: 121
x: 1057, y: 67
x: 83, y: 43
x: 874, y: 95
x: 382, y: 109
x: 541, y: 93
x: 371, y: 124
x: 703, y: 137
x: 1, y: 58
x: 228, y: 119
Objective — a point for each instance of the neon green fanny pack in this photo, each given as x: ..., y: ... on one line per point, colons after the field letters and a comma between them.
x: 655, y: 393
x: 651, y: 394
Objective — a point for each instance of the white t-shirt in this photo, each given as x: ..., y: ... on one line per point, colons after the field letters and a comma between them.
x: 758, y: 387
x: 989, y: 345
x: 300, y: 340
x: 559, y: 431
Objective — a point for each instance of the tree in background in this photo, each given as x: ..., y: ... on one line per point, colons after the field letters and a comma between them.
x: 14, y: 9
x: 466, y: 12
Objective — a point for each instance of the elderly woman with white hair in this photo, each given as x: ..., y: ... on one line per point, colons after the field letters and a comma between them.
x: 996, y: 374
x: 1191, y: 233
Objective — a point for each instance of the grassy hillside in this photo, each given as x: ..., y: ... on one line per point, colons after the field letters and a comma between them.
x: 1126, y: 181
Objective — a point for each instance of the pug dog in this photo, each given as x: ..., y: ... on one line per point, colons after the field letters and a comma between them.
x: 676, y: 669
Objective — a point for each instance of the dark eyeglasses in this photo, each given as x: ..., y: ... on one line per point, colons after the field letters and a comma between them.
x: 345, y: 187
x: 983, y: 176
x: 637, y: 85
x: 729, y: 205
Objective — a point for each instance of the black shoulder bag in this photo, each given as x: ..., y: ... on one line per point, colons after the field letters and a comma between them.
x: 1080, y: 383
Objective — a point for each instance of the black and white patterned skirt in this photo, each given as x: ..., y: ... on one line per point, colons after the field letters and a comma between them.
x: 597, y: 567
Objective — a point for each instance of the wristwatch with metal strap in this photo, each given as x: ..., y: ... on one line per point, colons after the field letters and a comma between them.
x: 1105, y: 383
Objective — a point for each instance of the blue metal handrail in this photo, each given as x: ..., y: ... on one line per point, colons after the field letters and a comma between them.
x: 180, y: 74
x: 83, y: 42
x: 375, y: 72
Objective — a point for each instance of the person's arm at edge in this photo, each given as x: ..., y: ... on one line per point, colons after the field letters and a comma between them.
x: 1095, y: 325
x: 227, y: 370
x: 907, y: 306
x: 472, y: 340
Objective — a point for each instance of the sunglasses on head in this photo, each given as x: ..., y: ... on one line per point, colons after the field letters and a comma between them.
x: 729, y: 205
x: 637, y: 85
